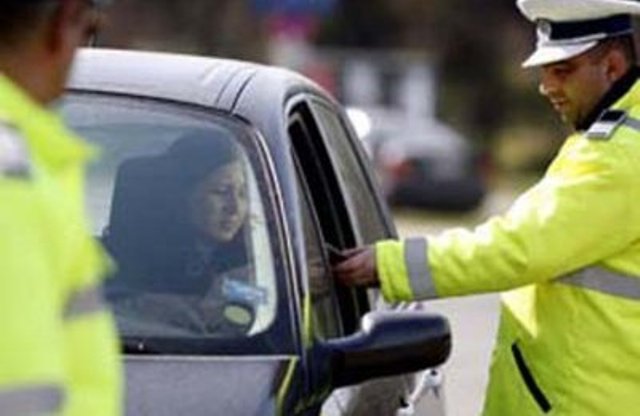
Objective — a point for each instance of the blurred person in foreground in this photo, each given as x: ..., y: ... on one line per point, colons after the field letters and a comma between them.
x: 59, y: 353
x: 567, y: 253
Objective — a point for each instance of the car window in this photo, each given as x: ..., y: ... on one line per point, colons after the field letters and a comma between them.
x: 181, y: 202
x: 326, y: 317
x: 328, y: 202
x: 366, y: 214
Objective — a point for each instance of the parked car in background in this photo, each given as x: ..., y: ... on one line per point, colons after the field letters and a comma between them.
x: 251, y: 324
x: 420, y: 161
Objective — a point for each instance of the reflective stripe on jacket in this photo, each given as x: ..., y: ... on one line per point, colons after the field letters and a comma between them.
x: 567, y: 253
x: 59, y: 352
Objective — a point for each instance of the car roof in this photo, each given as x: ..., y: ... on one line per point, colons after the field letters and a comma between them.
x: 212, y: 82
x: 254, y: 92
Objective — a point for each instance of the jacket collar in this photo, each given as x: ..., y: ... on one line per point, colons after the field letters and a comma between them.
x: 619, y: 89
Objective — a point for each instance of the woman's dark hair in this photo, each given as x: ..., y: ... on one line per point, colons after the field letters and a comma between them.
x: 195, y: 155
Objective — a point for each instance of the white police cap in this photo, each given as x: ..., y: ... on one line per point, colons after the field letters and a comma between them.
x: 567, y: 28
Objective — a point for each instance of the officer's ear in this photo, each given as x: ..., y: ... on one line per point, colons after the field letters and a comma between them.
x: 613, y: 62
x: 69, y: 25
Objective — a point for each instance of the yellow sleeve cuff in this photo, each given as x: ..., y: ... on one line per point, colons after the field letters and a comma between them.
x: 392, y: 271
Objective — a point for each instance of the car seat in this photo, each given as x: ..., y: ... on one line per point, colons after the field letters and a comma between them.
x: 137, y: 235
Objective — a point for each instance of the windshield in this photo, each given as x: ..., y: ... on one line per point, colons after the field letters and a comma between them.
x: 181, y: 202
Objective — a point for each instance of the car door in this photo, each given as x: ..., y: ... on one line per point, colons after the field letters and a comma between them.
x: 178, y: 359
x: 343, y: 210
x: 371, y: 222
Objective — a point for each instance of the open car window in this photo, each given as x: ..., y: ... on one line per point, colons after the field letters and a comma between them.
x: 181, y: 201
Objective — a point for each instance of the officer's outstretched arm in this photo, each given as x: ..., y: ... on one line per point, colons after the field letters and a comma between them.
x: 578, y: 214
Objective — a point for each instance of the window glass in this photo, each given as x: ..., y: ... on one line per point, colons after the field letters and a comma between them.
x: 326, y: 319
x: 363, y: 208
x: 180, y: 202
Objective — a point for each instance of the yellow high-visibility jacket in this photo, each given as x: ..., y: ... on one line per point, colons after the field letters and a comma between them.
x: 58, y: 348
x: 567, y: 255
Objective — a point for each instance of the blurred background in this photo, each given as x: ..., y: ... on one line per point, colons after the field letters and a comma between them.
x: 434, y: 87
x: 457, y: 60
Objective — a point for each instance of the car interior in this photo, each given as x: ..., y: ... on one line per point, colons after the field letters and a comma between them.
x: 151, y: 292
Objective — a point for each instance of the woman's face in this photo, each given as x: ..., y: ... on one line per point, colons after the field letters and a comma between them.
x: 219, y: 205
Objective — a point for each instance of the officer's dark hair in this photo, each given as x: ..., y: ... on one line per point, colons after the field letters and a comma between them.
x: 625, y: 44
x: 19, y: 17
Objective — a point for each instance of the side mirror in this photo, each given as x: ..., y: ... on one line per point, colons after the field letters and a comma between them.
x: 389, y: 343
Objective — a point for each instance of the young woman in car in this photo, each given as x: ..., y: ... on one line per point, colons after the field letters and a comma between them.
x: 184, y: 256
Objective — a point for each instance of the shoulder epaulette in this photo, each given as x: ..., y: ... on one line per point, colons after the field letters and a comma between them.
x: 606, y: 124
x: 14, y: 156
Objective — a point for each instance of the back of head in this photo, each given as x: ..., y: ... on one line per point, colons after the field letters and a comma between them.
x: 19, y: 19
x: 38, y: 40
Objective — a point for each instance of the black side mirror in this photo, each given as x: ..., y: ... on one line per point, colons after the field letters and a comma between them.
x: 389, y: 343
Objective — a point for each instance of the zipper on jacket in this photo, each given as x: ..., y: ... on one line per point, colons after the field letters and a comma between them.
x: 529, y: 381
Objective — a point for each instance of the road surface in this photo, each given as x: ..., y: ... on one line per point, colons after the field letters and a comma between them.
x: 473, y: 319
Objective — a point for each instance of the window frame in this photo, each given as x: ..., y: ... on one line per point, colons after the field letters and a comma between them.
x: 385, y: 227
x: 327, y: 193
x: 383, y: 215
x: 306, y: 204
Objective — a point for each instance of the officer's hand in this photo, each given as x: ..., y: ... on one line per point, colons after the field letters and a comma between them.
x: 358, y: 268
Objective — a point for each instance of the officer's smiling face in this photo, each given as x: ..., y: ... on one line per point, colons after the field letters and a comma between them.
x: 574, y: 86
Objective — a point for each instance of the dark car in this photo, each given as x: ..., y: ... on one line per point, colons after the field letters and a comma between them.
x: 223, y: 191
x: 420, y: 161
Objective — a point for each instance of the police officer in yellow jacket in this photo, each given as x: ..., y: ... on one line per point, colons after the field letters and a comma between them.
x: 567, y: 253
x: 58, y: 347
